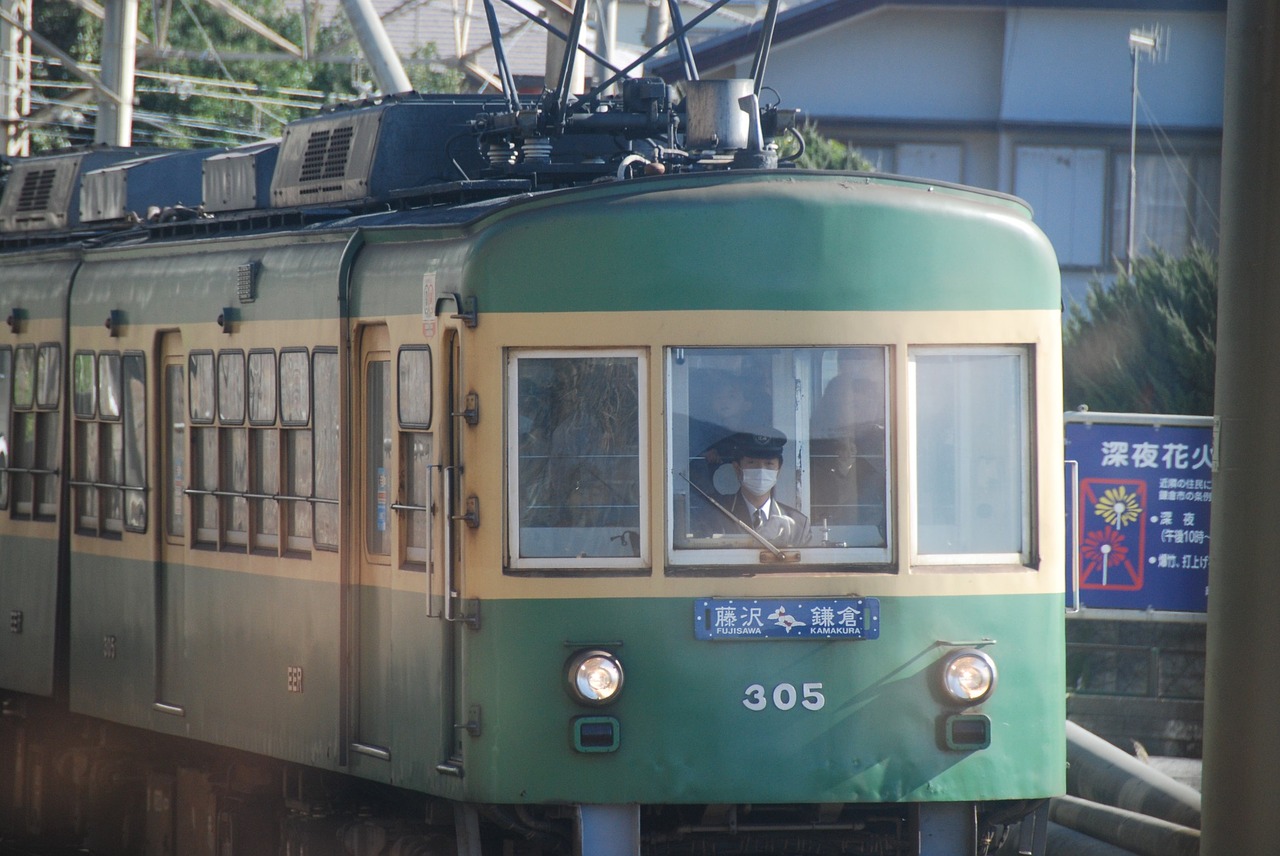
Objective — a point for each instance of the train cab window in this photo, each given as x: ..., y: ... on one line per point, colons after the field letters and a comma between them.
x: 971, y: 442
x: 414, y: 412
x: 6, y: 391
x: 779, y: 456
x: 295, y: 418
x: 576, y: 496
x: 37, y: 381
x: 109, y: 404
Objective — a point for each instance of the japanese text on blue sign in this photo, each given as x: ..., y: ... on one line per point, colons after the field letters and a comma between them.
x: 1144, y: 514
x: 816, y: 618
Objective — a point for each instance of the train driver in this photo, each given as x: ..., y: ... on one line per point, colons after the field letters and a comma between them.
x: 757, y: 459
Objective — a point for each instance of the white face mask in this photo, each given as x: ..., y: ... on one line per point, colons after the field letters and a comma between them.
x: 759, y: 482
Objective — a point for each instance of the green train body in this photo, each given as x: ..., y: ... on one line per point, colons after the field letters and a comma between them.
x: 347, y: 497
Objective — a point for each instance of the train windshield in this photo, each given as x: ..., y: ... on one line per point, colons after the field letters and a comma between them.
x: 778, y: 454
x: 576, y: 470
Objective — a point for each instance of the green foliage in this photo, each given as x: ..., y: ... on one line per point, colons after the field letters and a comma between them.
x: 1147, y: 343
x: 426, y: 74
x: 822, y: 152
x: 210, y: 100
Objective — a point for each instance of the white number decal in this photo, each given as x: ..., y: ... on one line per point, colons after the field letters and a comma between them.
x: 784, y: 697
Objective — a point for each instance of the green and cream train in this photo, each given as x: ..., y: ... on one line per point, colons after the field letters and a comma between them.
x: 387, y: 500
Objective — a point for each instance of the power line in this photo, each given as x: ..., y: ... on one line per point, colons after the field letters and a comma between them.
x: 1162, y: 139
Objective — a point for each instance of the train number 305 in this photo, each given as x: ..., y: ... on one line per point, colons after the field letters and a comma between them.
x: 784, y: 697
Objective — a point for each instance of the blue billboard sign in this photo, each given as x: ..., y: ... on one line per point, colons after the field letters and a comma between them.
x: 1142, y: 494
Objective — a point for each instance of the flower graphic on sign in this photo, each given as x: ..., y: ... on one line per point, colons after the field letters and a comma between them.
x: 1118, y: 507
x: 1103, y: 550
x: 1113, y: 534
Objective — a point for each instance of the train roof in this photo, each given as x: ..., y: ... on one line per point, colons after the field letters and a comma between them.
x: 411, y: 159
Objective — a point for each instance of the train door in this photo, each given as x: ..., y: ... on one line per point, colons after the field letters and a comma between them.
x: 374, y: 456
x: 453, y: 714
x: 171, y: 569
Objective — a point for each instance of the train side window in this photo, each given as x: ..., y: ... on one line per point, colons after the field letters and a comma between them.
x: 134, y: 423
x: 264, y: 451
x: 377, y: 416
x: 24, y: 377
x: 414, y: 395
x: 799, y: 435
x: 84, y: 386
x: 295, y: 416
x: 175, y: 431
x: 48, y: 397
x: 39, y: 432
x: 576, y: 494
x: 203, y: 483
x: 201, y: 385
x: 231, y: 387
x: 24, y: 431
x: 971, y: 444
x: 233, y: 449
x: 84, y: 392
x: 414, y: 384
x: 48, y: 376
x: 109, y: 403
x: 110, y: 442
x: 326, y: 446
x: 6, y: 392
x: 262, y: 387
x: 109, y: 385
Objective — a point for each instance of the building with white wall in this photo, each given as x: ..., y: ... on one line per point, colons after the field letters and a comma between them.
x: 1030, y: 97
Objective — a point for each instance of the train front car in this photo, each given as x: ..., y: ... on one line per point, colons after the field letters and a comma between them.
x: 875, y: 662
x: 717, y: 510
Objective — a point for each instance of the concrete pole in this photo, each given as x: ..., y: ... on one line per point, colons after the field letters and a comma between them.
x: 15, y: 77
x: 1242, y: 695
x: 376, y: 46
x: 119, y: 52
x: 560, y: 16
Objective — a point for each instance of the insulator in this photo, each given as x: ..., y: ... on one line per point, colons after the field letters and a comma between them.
x: 502, y: 154
x: 537, y: 150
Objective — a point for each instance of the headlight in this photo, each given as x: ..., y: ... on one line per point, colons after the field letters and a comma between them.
x: 968, y: 676
x: 595, y: 677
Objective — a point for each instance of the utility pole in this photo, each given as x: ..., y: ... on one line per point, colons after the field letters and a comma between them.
x: 1148, y: 44
x: 376, y: 46
x: 15, y: 77
x: 119, y: 52
x: 1242, y: 670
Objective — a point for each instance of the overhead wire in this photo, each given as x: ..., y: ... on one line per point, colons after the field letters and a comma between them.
x: 1162, y: 140
x: 213, y: 51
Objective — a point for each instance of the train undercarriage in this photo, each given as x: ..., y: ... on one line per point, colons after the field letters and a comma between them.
x: 109, y: 790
